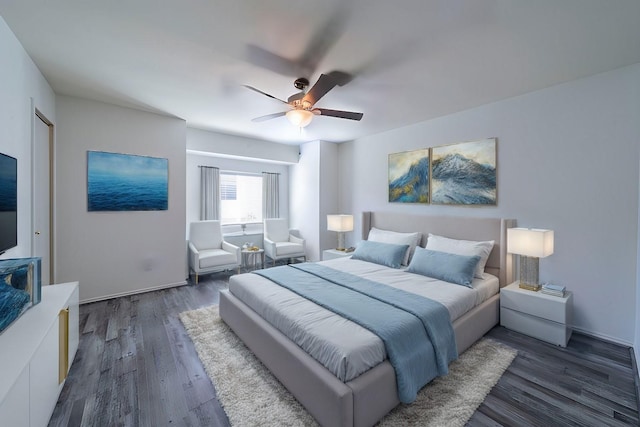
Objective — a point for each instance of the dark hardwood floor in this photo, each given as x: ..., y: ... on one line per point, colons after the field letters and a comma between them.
x: 136, y: 366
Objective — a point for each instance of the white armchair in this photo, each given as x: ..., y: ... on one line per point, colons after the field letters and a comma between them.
x: 208, y: 252
x: 280, y: 243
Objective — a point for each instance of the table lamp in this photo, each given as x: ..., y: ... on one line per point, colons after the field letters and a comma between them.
x: 530, y: 244
x: 341, y: 224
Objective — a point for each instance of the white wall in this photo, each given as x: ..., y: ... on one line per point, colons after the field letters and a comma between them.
x: 314, y: 194
x: 117, y: 253
x: 567, y: 161
x: 304, y: 210
x: 20, y: 83
x: 329, y: 194
x: 240, y: 147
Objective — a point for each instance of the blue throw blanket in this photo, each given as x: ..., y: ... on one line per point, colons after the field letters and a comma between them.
x: 416, y: 331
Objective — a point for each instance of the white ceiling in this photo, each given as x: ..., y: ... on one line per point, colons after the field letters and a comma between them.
x: 412, y: 60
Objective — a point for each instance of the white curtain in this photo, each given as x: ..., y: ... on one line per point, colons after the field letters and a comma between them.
x: 209, y: 193
x: 270, y: 195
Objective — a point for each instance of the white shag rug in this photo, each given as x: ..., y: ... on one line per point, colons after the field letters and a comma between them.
x: 252, y: 396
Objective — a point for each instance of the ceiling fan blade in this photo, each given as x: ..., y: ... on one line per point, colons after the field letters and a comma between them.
x: 324, y: 84
x: 264, y: 93
x: 338, y: 113
x: 325, y: 37
x: 273, y: 62
x: 268, y: 117
x: 320, y: 43
x: 340, y: 77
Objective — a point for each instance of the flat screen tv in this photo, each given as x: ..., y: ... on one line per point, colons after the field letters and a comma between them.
x: 8, y: 202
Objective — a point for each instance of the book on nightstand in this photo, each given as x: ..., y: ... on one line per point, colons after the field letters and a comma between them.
x: 555, y: 290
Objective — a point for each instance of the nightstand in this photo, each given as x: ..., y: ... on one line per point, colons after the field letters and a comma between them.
x: 334, y: 253
x: 538, y: 315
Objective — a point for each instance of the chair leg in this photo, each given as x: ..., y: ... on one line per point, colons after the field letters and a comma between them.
x: 196, y: 278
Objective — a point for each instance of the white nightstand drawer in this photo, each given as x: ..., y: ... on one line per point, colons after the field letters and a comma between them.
x: 537, y: 304
x: 546, y: 330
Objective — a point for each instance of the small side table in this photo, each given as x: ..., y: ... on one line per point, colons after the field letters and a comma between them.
x: 250, y: 259
x: 538, y: 315
x: 334, y: 253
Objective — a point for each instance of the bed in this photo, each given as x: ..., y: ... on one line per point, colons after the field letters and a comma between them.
x: 367, y: 397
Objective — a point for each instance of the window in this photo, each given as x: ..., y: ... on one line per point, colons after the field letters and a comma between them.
x: 240, y: 198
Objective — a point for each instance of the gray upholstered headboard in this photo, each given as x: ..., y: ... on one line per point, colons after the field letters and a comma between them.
x: 499, y: 264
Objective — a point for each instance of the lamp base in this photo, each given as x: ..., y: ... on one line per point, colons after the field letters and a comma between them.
x: 340, y: 242
x: 529, y: 268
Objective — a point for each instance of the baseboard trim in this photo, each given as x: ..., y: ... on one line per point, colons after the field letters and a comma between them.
x: 636, y: 374
x: 602, y: 337
x: 134, y: 292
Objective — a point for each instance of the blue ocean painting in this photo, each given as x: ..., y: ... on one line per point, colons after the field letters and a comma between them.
x: 124, y: 182
x: 464, y: 173
x: 8, y: 184
x: 409, y: 176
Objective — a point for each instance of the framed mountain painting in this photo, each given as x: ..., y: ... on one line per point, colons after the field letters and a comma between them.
x: 464, y: 173
x: 409, y: 176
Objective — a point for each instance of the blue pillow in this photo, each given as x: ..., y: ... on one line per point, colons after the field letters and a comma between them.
x: 451, y: 268
x: 380, y: 253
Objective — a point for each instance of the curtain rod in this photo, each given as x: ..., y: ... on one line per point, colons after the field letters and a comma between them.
x: 237, y: 172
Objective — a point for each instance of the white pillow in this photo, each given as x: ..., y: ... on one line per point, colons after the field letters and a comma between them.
x: 463, y: 247
x: 386, y: 236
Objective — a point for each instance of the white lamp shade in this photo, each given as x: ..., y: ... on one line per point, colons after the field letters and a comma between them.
x: 530, y: 242
x: 340, y: 223
x: 299, y: 118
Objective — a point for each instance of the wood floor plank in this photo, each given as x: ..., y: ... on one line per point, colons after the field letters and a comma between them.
x: 136, y: 366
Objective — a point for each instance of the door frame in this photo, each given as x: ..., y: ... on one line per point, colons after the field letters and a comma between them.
x: 38, y: 115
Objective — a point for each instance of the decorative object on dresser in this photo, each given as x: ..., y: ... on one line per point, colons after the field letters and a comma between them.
x: 20, y: 288
x: 530, y: 244
x: 341, y: 224
x: 536, y: 314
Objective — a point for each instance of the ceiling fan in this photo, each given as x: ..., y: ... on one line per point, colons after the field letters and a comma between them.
x: 301, y: 105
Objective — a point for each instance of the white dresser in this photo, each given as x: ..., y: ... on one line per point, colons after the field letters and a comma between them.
x: 538, y: 315
x: 36, y: 352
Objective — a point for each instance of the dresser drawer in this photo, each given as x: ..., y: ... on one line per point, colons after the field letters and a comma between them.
x: 545, y: 330
x: 537, y: 304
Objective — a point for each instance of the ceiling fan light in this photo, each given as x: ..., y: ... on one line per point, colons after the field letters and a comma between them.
x: 300, y: 118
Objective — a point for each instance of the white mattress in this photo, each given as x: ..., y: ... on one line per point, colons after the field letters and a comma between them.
x: 342, y: 346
